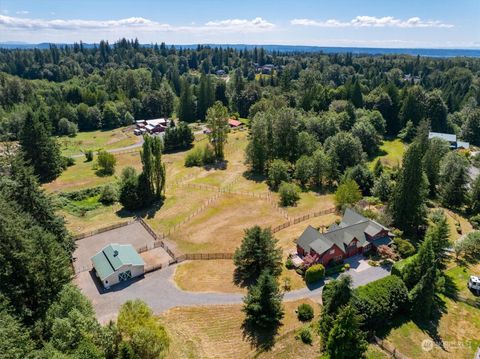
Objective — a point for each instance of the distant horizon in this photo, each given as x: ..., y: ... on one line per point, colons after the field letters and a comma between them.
x: 25, y: 43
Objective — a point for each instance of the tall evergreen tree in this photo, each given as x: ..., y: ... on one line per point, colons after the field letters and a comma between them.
x: 356, y: 96
x: 40, y: 149
x: 346, y: 340
x: 454, y: 180
x: 258, y: 252
x: 408, y: 200
x: 186, y: 105
x: 263, y: 303
x: 437, y: 149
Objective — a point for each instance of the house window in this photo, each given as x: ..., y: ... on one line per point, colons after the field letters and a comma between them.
x: 332, y: 251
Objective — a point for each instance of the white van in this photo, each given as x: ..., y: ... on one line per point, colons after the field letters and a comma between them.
x: 474, y: 283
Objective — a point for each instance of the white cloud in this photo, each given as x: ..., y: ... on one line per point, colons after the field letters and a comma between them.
x: 22, y: 12
x: 255, y: 24
x: 372, y: 21
x: 132, y: 23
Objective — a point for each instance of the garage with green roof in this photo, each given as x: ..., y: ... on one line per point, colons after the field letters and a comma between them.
x: 117, y: 263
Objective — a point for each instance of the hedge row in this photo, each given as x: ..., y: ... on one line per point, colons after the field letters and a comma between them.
x: 379, y: 301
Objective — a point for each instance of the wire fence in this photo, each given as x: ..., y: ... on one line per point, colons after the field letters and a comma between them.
x: 389, y: 348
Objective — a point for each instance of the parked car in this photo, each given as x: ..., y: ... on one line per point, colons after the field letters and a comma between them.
x: 474, y: 283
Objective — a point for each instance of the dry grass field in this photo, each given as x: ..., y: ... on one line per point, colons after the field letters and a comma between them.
x: 458, y: 330
x: 220, y: 227
x: 215, y: 332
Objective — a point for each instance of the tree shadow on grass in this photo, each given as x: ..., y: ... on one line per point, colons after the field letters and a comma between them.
x: 262, y: 339
x: 218, y: 165
x: 148, y: 212
x: 430, y: 326
x: 253, y: 176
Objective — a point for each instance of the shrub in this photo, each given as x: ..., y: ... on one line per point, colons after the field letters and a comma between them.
x: 380, y: 301
x: 106, y: 163
x: 89, y: 155
x: 289, y: 194
x: 305, y: 312
x: 347, y: 194
x: 314, y: 273
x: 305, y: 335
x: 194, y: 158
x: 346, y: 266
x: 208, y: 155
x: 200, y: 156
x: 289, y: 263
x: 404, y: 247
x: 108, y: 195
x: 67, y: 162
x: 475, y: 220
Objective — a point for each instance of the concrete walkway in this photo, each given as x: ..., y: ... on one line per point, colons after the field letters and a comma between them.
x: 159, y: 291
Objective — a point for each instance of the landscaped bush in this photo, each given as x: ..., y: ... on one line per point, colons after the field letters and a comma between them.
x: 314, y: 273
x: 289, y: 263
x: 289, y: 194
x: 305, y: 312
x: 200, y: 156
x: 108, y: 194
x: 305, y: 335
x: 404, y: 247
x: 334, y: 269
x: 67, y: 162
x: 346, y: 266
x: 380, y: 301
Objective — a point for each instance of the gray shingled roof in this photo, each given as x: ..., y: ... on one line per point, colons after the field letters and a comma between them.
x: 353, y: 225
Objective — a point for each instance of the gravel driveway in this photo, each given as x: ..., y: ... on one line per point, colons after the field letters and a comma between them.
x: 158, y: 290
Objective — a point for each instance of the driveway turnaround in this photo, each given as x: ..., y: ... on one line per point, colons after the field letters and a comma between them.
x: 158, y: 290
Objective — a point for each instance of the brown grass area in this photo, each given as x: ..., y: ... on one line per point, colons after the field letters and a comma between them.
x: 215, y: 332
x: 207, y: 276
x: 217, y: 276
x: 311, y: 202
x: 454, y: 218
x: 458, y: 330
x: 220, y: 228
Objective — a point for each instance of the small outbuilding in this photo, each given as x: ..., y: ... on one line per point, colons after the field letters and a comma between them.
x: 117, y: 263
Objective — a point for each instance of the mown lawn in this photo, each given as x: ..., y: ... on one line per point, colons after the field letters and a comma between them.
x: 95, y: 140
x: 391, y: 153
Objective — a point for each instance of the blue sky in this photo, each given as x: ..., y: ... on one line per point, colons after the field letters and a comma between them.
x: 367, y: 23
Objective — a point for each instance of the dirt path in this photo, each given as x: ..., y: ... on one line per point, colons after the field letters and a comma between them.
x: 119, y: 149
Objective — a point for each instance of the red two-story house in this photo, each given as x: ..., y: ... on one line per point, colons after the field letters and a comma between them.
x: 353, y: 235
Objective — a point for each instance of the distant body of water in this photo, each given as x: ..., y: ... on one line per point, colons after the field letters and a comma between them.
x: 299, y: 48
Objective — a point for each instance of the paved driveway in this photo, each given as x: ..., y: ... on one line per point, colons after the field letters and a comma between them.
x: 358, y: 263
x: 158, y: 290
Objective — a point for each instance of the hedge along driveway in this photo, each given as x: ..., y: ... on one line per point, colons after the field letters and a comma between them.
x: 158, y: 290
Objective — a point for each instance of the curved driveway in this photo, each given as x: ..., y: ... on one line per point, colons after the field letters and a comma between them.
x: 158, y: 290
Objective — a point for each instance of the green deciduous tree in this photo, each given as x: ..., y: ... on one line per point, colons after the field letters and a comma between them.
x: 217, y: 122
x: 289, y: 194
x: 344, y: 149
x: 347, y: 194
x: 106, y: 162
x: 138, y: 325
x: 278, y: 172
x: 304, y: 170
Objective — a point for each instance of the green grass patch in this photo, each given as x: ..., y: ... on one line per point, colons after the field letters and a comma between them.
x: 390, y: 153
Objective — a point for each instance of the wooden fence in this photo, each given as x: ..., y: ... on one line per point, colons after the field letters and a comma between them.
x: 301, y: 219
x: 204, y: 256
x: 102, y: 230
x: 389, y: 348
